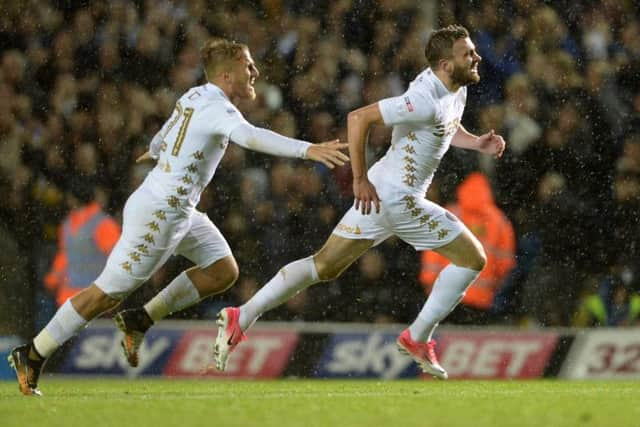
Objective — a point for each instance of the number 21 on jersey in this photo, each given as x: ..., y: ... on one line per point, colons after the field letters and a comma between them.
x: 186, y: 114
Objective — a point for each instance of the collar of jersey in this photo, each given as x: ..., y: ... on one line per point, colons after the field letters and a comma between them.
x: 440, y: 87
x: 211, y: 86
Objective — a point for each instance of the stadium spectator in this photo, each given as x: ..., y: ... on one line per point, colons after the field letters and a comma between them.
x: 616, y: 302
x: 86, y: 238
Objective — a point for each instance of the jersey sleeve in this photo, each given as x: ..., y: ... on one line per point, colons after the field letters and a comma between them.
x: 225, y: 117
x: 156, y: 146
x: 266, y: 141
x: 411, y: 107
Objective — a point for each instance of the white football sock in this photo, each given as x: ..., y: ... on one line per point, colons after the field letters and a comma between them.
x: 290, y: 280
x: 179, y: 294
x: 64, y: 324
x: 447, y: 292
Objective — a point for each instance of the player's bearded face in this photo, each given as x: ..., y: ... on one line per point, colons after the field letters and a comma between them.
x: 466, y: 74
x: 465, y: 63
x: 244, y: 76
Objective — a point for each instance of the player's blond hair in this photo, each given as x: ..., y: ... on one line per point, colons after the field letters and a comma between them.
x: 218, y: 53
x: 440, y: 43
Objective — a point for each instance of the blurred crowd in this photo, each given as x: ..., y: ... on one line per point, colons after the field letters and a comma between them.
x: 85, y: 85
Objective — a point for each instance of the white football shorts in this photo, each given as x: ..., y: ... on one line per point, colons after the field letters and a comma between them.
x: 152, y: 232
x: 419, y: 222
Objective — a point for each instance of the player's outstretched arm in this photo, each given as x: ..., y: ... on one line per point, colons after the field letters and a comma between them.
x: 488, y: 143
x: 266, y: 141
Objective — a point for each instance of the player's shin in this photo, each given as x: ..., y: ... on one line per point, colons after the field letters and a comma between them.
x: 179, y: 294
x: 290, y: 280
x: 64, y: 324
x: 447, y: 292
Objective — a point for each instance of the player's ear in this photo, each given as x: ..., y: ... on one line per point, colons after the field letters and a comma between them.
x: 446, y: 65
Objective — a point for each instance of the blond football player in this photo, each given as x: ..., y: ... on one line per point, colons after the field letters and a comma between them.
x: 160, y: 218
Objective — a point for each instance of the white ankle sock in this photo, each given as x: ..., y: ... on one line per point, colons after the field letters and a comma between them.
x: 447, y: 292
x: 290, y: 280
x: 64, y: 324
x: 179, y: 294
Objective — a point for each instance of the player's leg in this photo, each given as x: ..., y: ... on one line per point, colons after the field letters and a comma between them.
x: 105, y: 294
x: 216, y: 270
x: 337, y: 254
x: 354, y: 234
x: 185, y: 290
x: 145, y: 244
x: 467, y: 260
x: 428, y: 226
x: 27, y: 360
x: 189, y: 288
x: 327, y: 264
x: 350, y: 239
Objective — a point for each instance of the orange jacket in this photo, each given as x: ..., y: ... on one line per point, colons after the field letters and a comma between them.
x: 105, y: 236
x: 477, y: 210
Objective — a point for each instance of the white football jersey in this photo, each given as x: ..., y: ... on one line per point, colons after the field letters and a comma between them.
x: 194, y: 139
x: 424, y: 120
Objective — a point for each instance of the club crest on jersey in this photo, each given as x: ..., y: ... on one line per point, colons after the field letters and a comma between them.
x: 441, y: 129
x: 407, y: 102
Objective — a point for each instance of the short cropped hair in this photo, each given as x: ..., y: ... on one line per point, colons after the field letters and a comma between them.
x: 441, y: 41
x: 218, y: 53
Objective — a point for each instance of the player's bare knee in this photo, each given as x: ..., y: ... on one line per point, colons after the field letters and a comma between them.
x: 475, y: 260
x: 329, y: 274
x: 219, y: 280
x: 103, y: 302
x: 479, y: 260
x: 326, y: 272
x: 230, y: 277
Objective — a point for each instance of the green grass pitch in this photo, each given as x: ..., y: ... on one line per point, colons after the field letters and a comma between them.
x: 307, y: 403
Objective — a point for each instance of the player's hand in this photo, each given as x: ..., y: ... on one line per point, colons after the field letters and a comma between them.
x: 492, y: 144
x: 366, y: 195
x: 328, y: 153
x: 146, y: 156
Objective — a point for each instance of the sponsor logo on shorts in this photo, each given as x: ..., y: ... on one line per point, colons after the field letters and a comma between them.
x: 349, y: 229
